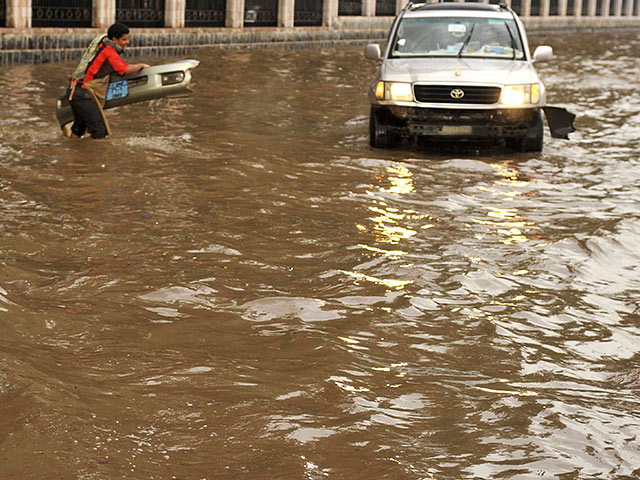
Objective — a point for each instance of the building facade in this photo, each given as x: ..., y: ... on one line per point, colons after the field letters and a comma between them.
x: 178, y: 14
x: 43, y: 31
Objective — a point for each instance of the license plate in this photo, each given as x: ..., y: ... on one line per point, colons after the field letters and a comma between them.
x: 119, y: 89
x: 456, y: 130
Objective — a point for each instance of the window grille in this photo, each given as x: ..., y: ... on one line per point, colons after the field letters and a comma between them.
x: 60, y: 13
x: 585, y: 8
x: 140, y: 13
x: 349, y: 7
x: 516, y: 5
x: 308, y: 13
x: 599, y: 8
x: 385, y: 8
x: 261, y: 13
x: 205, y: 13
x: 554, y: 8
x: 625, y: 5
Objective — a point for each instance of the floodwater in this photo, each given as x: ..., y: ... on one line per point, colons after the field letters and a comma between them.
x: 235, y: 285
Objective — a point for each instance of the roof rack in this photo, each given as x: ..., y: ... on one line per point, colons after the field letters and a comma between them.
x: 450, y: 4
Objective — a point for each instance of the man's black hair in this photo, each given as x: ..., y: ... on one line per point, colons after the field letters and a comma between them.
x: 117, y: 30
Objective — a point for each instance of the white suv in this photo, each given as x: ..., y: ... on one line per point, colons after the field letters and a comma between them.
x: 457, y: 71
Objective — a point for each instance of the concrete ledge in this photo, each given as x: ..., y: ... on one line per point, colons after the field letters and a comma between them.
x: 48, y: 45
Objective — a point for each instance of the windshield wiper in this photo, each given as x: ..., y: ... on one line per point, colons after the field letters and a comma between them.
x: 466, y: 40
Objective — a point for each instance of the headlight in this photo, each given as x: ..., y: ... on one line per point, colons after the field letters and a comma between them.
x: 172, y: 78
x: 400, y: 92
x: 394, y: 91
x: 520, y: 94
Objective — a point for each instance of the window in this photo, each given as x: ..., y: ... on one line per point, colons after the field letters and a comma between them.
x: 385, y: 8
x: 308, y: 13
x: 585, y: 8
x: 535, y: 8
x: 205, y: 13
x: 60, y: 13
x: 349, y: 7
x: 516, y: 5
x: 261, y: 13
x: 140, y: 13
x: 3, y: 13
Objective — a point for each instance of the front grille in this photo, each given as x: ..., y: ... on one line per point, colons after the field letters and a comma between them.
x: 510, y: 118
x: 452, y: 117
x: 457, y: 94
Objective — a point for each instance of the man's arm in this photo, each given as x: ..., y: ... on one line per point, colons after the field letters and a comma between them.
x: 135, y: 67
x: 122, y: 67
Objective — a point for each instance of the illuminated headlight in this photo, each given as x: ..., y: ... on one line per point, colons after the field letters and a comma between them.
x: 172, y: 78
x: 394, y: 91
x: 520, y: 94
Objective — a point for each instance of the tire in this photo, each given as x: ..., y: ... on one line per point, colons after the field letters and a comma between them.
x: 379, y: 135
x: 534, y: 140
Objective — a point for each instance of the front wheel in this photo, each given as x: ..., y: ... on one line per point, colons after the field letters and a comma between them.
x: 535, y: 137
x: 379, y: 135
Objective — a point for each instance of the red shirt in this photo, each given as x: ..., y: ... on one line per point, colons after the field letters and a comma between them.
x: 107, y: 62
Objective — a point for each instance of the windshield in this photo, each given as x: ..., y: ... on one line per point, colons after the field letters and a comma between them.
x: 457, y: 37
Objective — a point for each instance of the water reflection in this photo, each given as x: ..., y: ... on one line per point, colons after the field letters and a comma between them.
x: 238, y: 272
x: 387, y: 226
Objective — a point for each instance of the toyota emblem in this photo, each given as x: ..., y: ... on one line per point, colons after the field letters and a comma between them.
x: 457, y: 93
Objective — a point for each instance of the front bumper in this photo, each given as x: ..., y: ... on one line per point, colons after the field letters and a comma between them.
x: 458, y: 123
x: 144, y: 85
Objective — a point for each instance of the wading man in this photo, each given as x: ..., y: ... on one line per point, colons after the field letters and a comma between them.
x: 89, y: 83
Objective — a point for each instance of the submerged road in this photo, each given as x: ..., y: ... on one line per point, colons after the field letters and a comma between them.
x: 236, y: 286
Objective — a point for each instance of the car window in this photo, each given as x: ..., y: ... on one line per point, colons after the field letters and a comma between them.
x: 455, y: 36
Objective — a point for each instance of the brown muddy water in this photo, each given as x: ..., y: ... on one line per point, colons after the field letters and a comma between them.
x: 236, y: 286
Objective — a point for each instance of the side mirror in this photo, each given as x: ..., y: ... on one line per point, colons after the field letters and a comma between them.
x: 543, y: 53
x: 372, y: 51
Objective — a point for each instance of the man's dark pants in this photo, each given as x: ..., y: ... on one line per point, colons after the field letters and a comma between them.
x: 86, y: 115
